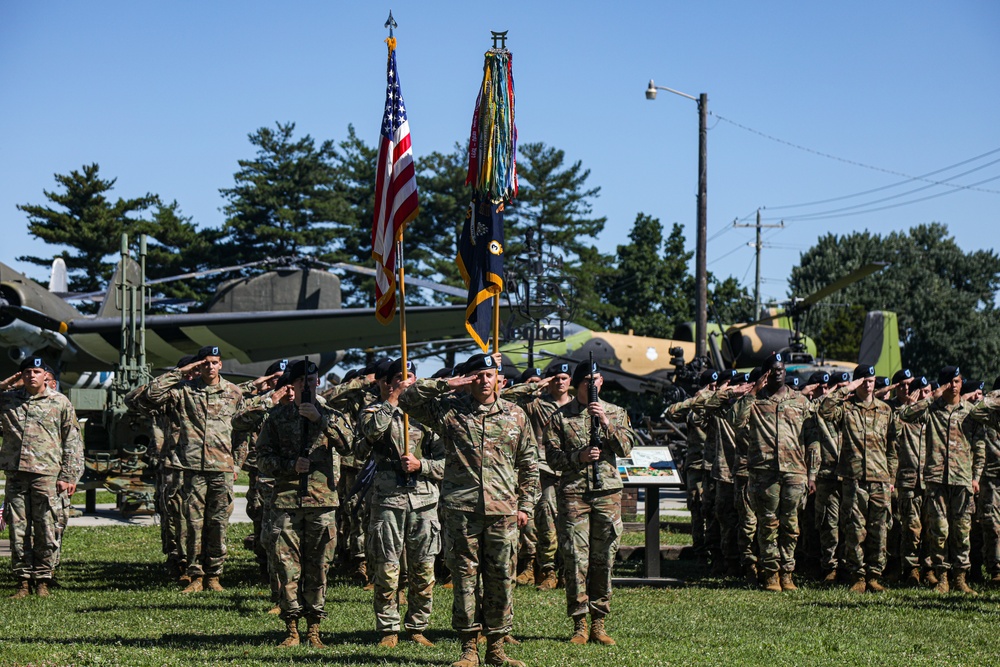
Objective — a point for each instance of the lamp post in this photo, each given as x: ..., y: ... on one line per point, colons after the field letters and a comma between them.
x: 701, y: 277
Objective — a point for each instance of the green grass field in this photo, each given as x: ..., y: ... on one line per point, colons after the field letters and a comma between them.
x: 116, y: 607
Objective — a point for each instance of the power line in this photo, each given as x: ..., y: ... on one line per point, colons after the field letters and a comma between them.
x: 851, y: 162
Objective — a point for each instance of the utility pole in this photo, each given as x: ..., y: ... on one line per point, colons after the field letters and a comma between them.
x: 758, y: 245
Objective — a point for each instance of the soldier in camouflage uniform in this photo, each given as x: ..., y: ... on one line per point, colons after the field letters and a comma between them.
x: 590, y: 508
x: 42, y: 456
x: 772, y: 414
x: 911, y: 451
x: 490, y: 489
x: 867, y: 467
x: 299, y: 446
x: 403, y: 502
x: 203, y: 409
x: 540, y: 401
x: 989, y: 490
x: 953, y: 465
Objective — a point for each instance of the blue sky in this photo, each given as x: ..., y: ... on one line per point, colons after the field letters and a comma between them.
x: 163, y: 95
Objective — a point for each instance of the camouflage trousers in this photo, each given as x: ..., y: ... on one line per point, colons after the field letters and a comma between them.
x: 912, y: 527
x: 395, y: 533
x: 540, y: 538
x: 989, y: 519
x: 305, y: 547
x: 208, y: 504
x: 170, y: 505
x: 728, y: 519
x: 826, y: 518
x: 949, y: 519
x: 33, y: 513
x: 351, y: 518
x: 269, y: 533
x: 694, y: 482
x: 481, y: 545
x: 746, y: 525
x: 865, y: 511
x: 590, y: 525
x: 712, y: 530
x: 775, y: 498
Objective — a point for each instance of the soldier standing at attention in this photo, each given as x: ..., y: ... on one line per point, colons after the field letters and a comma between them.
x: 952, y: 468
x: 203, y: 409
x: 867, y: 467
x: 590, y: 498
x: 42, y: 455
x: 490, y: 488
x: 298, y: 446
x: 772, y: 415
x: 404, y: 513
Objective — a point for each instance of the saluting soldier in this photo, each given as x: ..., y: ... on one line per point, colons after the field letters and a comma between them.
x: 42, y: 455
x: 404, y: 513
x: 490, y: 488
x: 867, y: 467
x: 911, y: 450
x: 203, y: 410
x: 590, y: 498
x: 989, y: 490
x: 299, y: 446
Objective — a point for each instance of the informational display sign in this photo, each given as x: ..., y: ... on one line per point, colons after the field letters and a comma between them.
x: 649, y: 465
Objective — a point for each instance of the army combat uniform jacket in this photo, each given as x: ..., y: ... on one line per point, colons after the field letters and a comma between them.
x: 491, y: 458
x: 41, y: 435
x: 867, y: 451
x: 953, y: 456
x: 568, y: 432
x: 773, y: 427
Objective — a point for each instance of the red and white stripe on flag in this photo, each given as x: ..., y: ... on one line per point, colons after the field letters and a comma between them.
x: 395, y: 193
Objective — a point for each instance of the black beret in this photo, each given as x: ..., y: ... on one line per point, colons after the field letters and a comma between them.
x: 772, y: 361
x: 557, y: 368
x: 582, y: 370
x: 996, y: 383
x: 864, y: 372
x: 708, y: 376
x: 948, y: 373
x: 369, y: 369
x: 837, y: 378
x: 479, y: 362
x: 792, y: 381
x: 32, y: 362
x: 207, y: 351
x: 755, y: 374
x: 396, y: 367
x: 740, y: 378
x: 280, y: 365
x: 881, y: 381
x: 902, y: 375
x: 443, y: 373
x: 970, y: 386
x: 529, y: 373
x: 726, y: 375
x: 300, y: 368
x: 381, y: 369
x: 920, y: 383
x: 819, y: 377
x: 350, y: 375
x: 935, y: 386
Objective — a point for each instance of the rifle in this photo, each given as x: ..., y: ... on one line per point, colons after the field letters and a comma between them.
x: 307, y: 397
x: 595, y: 425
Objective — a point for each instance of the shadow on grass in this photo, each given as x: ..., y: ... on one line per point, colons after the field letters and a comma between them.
x: 944, y: 603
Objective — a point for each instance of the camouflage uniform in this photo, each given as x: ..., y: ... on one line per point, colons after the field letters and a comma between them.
x: 953, y: 460
x: 720, y: 454
x: 694, y: 469
x: 204, y: 452
x: 304, y: 519
x: 827, y: 501
x: 490, y: 474
x: 867, y: 467
x: 41, y: 446
x: 777, y: 457
x: 590, y: 519
x: 403, y: 518
x: 911, y: 451
x: 989, y: 494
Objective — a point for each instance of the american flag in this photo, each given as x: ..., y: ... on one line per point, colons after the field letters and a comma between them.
x: 395, y: 192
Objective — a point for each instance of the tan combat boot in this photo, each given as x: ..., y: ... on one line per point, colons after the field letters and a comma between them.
x: 419, y: 638
x: 212, y: 584
x: 527, y: 576
x: 470, y: 651
x: 360, y: 573
x: 995, y: 579
x: 830, y: 578
x: 959, y: 585
x: 874, y: 586
x: 196, y: 586
x: 184, y: 581
x: 22, y: 591
x: 579, y: 630
x: 549, y: 581
x: 751, y: 574
x: 312, y: 633
x: 275, y: 610
x: 930, y: 578
x: 942, y: 582
x: 786, y: 582
x: 292, y: 626
x: 913, y: 578
x: 597, y: 633
x: 772, y: 582
x: 858, y: 584
x: 42, y: 589
x: 495, y: 654
x: 389, y: 640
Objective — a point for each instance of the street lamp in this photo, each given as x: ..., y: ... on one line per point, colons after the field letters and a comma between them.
x: 700, y: 278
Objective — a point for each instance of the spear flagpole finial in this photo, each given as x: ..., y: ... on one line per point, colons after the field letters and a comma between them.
x: 390, y: 23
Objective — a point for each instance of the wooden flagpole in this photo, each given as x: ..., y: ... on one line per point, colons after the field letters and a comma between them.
x: 402, y: 337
